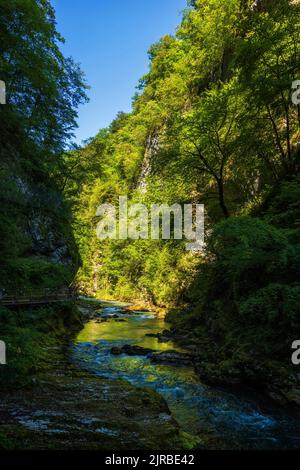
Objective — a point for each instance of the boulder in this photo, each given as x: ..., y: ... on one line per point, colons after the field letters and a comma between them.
x: 172, y: 357
x: 163, y: 339
x: 116, y: 351
x: 131, y: 350
x: 136, y: 350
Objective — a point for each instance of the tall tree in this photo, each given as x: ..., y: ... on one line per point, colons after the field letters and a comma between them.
x: 43, y: 87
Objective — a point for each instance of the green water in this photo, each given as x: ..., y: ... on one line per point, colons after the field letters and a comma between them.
x: 224, y: 419
x: 134, y: 331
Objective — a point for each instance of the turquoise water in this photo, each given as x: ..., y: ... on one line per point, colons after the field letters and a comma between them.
x: 224, y: 419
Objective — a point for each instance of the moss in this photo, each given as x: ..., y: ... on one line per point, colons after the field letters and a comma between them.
x: 31, y: 336
x: 6, y: 443
x: 58, y: 406
x: 190, y: 441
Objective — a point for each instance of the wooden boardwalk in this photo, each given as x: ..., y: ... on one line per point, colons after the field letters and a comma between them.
x: 46, y: 296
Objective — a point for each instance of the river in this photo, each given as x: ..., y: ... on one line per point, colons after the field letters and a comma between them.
x: 227, y: 421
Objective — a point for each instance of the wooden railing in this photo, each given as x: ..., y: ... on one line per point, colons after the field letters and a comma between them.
x: 32, y: 297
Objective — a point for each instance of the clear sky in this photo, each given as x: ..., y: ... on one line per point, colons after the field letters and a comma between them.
x: 110, y: 39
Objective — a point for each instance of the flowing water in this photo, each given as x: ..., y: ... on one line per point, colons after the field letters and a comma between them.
x: 225, y: 419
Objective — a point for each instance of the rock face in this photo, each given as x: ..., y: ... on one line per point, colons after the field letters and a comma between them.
x: 45, y: 241
x: 40, y: 246
x: 48, y: 236
x: 41, y: 227
x: 151, y: 149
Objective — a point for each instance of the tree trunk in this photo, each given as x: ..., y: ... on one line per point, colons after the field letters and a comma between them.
x: 222, y: 199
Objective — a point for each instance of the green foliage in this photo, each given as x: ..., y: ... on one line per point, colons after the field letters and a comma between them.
x: 37, y: 273
x: 207, y: 126
x: 43, y: 89
x: 37, y: 248
x: 5, y: 442
x: 213, y: 122
x: 31, y: 336
x: 283, y: 206
x: 243, y: 245
x: 275, y: 304
x: 244, y: 301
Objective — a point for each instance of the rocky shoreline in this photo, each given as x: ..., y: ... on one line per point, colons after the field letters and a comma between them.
x: 63, y: 407
x: 279, y: 388
x: 178, y: 349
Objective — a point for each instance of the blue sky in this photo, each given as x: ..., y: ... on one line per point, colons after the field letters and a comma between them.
x: 110, y: 39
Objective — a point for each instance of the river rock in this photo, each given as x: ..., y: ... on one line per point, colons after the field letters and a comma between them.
x: 131, y: 350
x: 165, y: 336
x: 136, y: 350
x: 116, y: 351
x: 172, y: 357
x: 163, y: 339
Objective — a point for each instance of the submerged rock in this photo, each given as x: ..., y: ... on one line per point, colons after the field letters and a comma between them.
x: 131, y: 350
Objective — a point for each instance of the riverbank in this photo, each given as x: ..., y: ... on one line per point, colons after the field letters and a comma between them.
x: 268, y: 380
x: 91, y: 391
x: 264, y: 378
x: 117, y: 343
x: 55, y: 405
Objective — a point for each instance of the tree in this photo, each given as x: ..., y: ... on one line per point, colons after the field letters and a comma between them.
x: 43, y: 87
x: 268, y: 59
x: 208, y: 137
